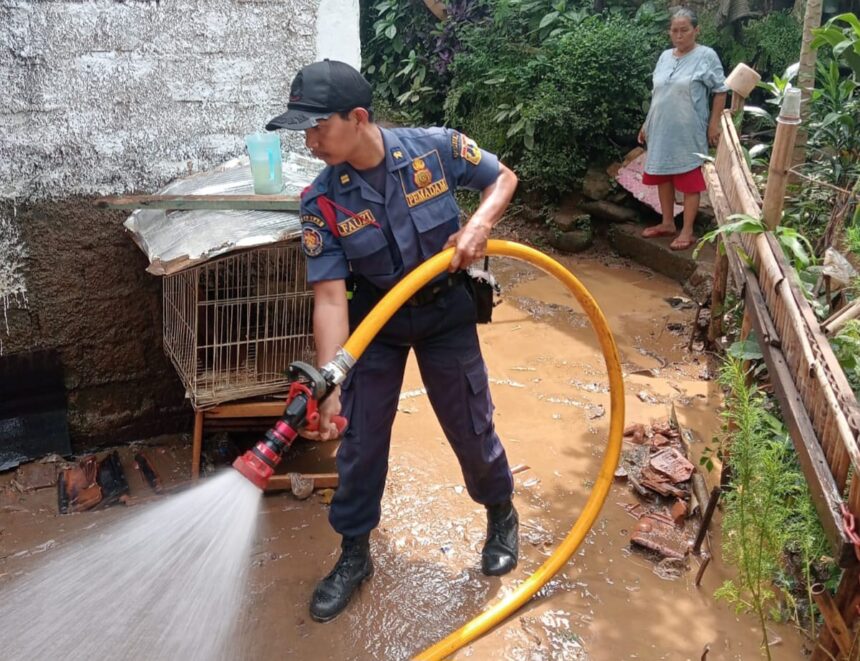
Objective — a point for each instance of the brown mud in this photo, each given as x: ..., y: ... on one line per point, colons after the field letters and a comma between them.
x: 552, y: 412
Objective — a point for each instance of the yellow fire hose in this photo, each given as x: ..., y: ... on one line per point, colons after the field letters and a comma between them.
x: 383, y: 311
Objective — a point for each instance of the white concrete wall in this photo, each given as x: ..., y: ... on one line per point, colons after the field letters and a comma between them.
x: 102, y: 97
x: 337, y: 31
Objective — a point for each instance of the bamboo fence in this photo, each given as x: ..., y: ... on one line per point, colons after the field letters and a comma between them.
x: 820, y: 408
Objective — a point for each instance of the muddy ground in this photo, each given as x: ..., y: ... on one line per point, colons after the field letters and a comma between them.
x: 550, y: 389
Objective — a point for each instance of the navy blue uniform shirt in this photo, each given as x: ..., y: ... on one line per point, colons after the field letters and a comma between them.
x: 350, y: 228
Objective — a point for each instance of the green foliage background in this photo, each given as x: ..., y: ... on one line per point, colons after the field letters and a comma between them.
x: 768, y: 44
x: 553, y: 109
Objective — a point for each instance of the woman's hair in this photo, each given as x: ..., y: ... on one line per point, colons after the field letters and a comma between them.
x: 684, y: 12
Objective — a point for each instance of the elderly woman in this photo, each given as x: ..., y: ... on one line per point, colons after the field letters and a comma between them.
x: 681, y: 123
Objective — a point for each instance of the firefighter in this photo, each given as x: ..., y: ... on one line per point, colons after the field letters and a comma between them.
x: 384, y: 204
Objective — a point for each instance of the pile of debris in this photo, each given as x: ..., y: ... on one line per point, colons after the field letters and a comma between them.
x: 655, y: 464
x: 81, y: 485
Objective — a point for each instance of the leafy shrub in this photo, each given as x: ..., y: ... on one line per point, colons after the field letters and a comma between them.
x: 407, y: 52
x: 842, y: 34
x: 768, y: 44
x: 554, y: 108
x: 846, y: 346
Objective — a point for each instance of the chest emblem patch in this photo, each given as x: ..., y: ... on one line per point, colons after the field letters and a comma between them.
x: 427, y: 179
x: 312, y: 242
x: 421, y: 175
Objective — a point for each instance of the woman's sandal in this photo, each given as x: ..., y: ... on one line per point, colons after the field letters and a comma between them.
x: 658, y: 230
x: 682, y: 244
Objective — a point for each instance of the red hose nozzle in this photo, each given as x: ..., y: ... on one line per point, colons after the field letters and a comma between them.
x: 258, y: 463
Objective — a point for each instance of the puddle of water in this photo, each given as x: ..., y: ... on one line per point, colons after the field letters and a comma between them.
x: 547, y: 378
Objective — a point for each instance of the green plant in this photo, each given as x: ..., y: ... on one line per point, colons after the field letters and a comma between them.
x: 754, y: 532
x: 852, y: 233
x: 846, y: 346
x: 833, y: 150
x: 653, y: 17
x: 805, y: 560
x: 795, y: 246
x: 834, y: 127
x: 551, y: 109
x: 842, y: 34
x: 407, y: 52
x: 769, y: 44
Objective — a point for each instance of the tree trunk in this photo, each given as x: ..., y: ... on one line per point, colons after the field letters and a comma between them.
x: 806, y: 75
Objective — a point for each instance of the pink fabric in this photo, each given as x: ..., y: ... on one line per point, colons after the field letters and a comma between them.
x: 630, y: 177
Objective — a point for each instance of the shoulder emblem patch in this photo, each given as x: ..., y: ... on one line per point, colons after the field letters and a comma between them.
x: 469, y: 150
x: 308, y: 218
x: 311, y: 242
x: 455, y: 144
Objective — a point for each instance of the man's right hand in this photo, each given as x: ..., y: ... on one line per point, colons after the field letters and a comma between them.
x: 641, y: 137
x: 327, y: 430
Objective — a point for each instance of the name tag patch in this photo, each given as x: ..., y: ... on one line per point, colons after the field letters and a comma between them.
x: 355, y: 223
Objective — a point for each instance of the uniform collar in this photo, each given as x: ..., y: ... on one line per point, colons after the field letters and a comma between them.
x: 346, y: 179
x: 396, y: 156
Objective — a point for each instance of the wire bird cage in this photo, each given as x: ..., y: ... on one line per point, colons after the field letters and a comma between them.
x: 232, y: 325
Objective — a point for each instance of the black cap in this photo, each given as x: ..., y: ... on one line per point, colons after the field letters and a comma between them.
x: 318, y: 91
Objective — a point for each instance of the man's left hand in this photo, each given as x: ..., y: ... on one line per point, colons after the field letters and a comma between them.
x: 470, y: 244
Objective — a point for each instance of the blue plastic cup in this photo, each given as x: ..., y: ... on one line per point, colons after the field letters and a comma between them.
x: 264, y: 150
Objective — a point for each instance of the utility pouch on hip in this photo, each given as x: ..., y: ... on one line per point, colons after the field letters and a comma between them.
x: 484, y: 290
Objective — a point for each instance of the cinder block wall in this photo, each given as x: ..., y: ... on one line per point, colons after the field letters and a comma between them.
x: 105, y: 97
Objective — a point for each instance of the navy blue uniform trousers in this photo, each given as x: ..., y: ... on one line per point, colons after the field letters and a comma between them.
x: 445, y: 340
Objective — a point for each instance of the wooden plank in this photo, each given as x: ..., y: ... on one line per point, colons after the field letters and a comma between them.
x: 272, y: 410
x: 206, y: 202
x: 321, y: 481
x: 740, y: 161
x: 718, y: 298
x: 196, y: 445
x: 768, y: 333
x: 722, y: 211
x: 822, y: 486
x: 847, y: 595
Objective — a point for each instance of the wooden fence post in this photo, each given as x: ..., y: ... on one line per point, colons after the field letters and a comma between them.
x: 738, y: 102
x: 780, y: 158
x: 718, y: 295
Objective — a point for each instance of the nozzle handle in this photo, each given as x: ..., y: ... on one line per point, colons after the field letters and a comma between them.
x: 314, y: 422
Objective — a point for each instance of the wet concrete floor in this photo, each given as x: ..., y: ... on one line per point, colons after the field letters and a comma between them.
x: 552, y: 412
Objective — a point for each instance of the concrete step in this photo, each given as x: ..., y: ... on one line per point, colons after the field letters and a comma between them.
x: 695, y: 274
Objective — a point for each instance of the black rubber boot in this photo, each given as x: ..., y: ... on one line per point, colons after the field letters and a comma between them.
x: 499, y: 555
x: 333, y: 593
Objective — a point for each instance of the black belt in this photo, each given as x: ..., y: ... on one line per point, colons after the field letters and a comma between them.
x: 424, y: 296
